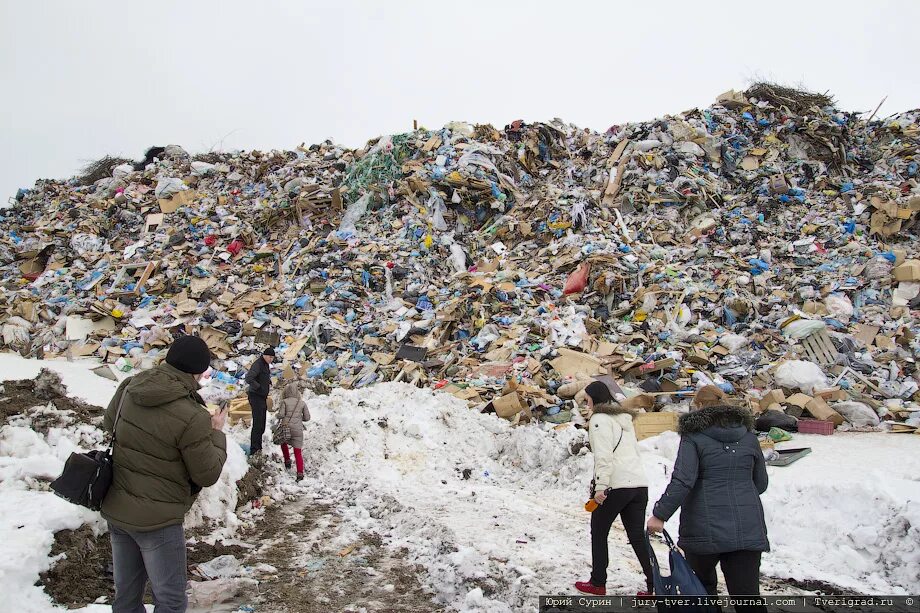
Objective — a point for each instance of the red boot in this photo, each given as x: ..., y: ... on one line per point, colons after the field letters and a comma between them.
x: 586, y: 587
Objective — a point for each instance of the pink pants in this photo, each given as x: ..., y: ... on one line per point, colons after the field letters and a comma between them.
x: 298, y: 456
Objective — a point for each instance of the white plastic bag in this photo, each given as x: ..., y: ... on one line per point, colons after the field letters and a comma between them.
x: 733, y: 342
x: 437, y: 208
x: 354, y: 213
x: 857, y: 413
x: 801, y: 374
x: 457, y: 258
x: 86, y: 243
x: 200, y: 169
x: 122, y: 170
x: 839, y: 306
x: 802, y: 328
x: 168, y: 186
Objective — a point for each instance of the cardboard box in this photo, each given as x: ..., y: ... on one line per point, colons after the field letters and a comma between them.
x: 908, y: 271
x: 772, y: 397
x: 823, y: 411
x: 799, y: 400
x: 651, y: 424
x: 183, y: 198
x: 507, y: 406
x: 642, y: 401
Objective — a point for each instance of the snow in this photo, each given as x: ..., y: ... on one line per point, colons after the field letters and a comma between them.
x: 30, y: 514
x: 493, y: 513
x: 395, y: 456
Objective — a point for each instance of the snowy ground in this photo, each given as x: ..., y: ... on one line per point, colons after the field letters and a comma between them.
x: 493, y: 513
x: 30, y: 514
x: 513, y: 527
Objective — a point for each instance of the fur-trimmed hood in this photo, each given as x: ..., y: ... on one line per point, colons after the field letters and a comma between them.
x: 612, y: 408
x: 720, y: 416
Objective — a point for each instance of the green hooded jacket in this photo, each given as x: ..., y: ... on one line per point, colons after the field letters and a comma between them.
x: 165, y: 450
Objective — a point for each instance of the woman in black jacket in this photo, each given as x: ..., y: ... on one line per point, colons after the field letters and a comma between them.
x: 718, y: 478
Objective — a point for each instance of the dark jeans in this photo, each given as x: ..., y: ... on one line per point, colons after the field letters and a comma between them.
x: 158, y: 557
x: 741, y: 570
x: 259, y: 408
x: 629, y: 504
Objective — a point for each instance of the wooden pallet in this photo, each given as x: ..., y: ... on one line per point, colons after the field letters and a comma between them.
x: 819, y: 348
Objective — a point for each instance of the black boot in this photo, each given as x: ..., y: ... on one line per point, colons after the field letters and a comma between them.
x: 287, y: 465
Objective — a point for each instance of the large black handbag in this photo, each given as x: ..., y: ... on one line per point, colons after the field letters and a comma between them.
x: 87, y: 476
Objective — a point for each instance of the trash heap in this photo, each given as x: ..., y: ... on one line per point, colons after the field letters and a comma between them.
x: 765, y: 245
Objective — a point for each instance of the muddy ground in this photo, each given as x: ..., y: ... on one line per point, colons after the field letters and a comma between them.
x: 21, y: 395
x: 315, y: 576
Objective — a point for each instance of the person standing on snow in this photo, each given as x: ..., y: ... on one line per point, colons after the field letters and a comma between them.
x: 619, y: 486
x: 717, y: 481
x: 260, y: 386
x: 293, y: 410
x: 167, y: 448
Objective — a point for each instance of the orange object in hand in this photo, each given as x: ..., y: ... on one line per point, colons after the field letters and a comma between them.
x: 591, y: 505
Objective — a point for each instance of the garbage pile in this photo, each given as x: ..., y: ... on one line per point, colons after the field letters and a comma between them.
x: 509, y: 267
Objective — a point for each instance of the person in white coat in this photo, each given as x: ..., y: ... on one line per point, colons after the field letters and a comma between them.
x: 619, y: 486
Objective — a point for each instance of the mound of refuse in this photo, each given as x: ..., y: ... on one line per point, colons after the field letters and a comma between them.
x: 507, y: 266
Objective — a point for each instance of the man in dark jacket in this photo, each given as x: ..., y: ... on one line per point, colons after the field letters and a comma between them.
x: 167, y: 448
x: 259, y: 380
x: 718, y: 478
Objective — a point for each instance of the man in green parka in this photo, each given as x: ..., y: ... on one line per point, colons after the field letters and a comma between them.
x: 167, y: 448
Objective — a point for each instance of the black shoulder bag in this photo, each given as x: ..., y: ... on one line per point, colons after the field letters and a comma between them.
x: 87, y: 476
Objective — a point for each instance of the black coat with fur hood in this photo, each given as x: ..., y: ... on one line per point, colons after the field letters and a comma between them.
x: 717, y: 481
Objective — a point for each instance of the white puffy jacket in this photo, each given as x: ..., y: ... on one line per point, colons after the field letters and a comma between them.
x: 615, y: 469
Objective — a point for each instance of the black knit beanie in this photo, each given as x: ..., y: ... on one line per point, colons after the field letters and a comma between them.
x: 270, y: 351
x: 189, y: 354
x: 599, y: 393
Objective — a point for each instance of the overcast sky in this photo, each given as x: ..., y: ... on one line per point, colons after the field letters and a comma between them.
x: 85, y: 79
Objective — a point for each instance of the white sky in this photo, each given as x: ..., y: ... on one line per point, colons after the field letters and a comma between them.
x: 86, y: 79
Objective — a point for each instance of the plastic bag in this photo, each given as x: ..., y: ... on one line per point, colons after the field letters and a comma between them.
x: 877, y: 268
x: 354, y: 213
x: 778, y: 435
x: 802, y: 328
x: 436, y: 206
x: 16, y: 333
x: 801, y: 374
x: 220, y: 567
x: 457, y: 258
x: 168, y: 186
x: 839, y: 306
x: 768, y: 420
x: 733, y: 342
x: 202, y: 168
x: 857, y: 413
x: 577, y: 280
x: 122, y: 170
x: 86, y: 243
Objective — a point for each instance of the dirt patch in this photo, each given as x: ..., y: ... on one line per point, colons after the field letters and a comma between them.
x: 202, y: 552
x: 250, y: 486
x: 316, y: 574
x: 85, y: 573
x: 20, y: 396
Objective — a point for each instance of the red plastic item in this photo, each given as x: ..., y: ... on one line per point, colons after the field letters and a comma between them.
x: 816, y: 426
x: 578, y: 280
x: 235, y: 247
x: 210, y: 240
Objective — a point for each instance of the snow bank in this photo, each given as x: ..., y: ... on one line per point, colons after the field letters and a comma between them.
x: 30, y: 514
x: 495, y: 514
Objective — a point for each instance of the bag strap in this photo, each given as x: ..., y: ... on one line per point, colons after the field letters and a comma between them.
x: 656, y: 569
x: 669, y: 541
x: 121, y: 401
